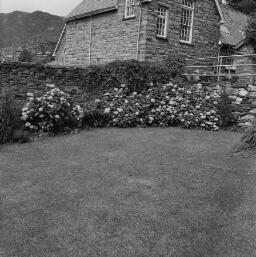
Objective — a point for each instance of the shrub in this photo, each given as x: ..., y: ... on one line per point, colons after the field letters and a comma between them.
x: 225, y: 110
x: 25, y: 56
x: 249, y: 137
x: 135, y: 74
x: 175, y: 63
x: 52, y: 112
x: 94, y: 118
x: 165, y: 105
x: 9, y: 119
x: 93, y: 77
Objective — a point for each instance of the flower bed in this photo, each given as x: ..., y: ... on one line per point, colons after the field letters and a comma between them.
x: 165, y: 105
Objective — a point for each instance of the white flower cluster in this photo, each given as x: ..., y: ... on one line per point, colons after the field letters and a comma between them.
x: 52, y: 111
x: 167, y: 105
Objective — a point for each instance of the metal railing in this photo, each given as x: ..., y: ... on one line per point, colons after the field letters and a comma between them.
x: 238, y: 66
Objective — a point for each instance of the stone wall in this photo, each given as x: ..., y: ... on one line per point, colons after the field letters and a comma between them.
x: 114, y: 37
x: 19, y: 79
x: 243, y: 103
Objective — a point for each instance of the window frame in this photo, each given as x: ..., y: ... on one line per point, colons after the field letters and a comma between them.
x: 191, y: 26
x: 129, y: 4
x: 166, y: 18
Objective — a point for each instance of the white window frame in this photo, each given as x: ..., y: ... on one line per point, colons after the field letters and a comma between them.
x: 162, y: 20
x: 189, y: 7
x: 129, y: 9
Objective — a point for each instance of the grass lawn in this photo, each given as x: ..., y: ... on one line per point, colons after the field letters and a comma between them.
x: 126, y: 193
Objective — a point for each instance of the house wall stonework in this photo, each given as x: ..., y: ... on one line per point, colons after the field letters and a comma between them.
x: 206, y: 31
x: 113, y: 37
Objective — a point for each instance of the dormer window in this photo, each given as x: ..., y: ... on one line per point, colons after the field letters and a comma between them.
x: 187, y: 19
x: 129, y: 8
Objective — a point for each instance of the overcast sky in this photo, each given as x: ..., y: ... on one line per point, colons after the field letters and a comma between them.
x: 57, y: 7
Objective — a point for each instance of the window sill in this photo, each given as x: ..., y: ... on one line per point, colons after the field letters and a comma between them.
x: 186, y: 43
x: 129, y: 18
x: 162, y: 37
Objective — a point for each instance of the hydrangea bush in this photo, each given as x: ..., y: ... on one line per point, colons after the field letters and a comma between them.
x: 165, y: 105
x: 52, y: 112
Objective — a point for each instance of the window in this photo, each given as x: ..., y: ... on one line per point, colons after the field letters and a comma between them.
x: 162, y: 18
x: 129, y: 8
x: 187, y: 17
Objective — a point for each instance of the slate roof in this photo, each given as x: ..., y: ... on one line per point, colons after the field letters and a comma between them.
x: 91, y: 7
x: 236, y: 23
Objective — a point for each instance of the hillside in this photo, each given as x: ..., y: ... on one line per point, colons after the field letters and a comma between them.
x: 20, y: 29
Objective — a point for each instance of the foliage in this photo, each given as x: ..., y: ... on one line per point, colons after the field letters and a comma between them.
x: 94, y: 118
x: 245, y: 6
x: 175, y: 63
x: 25, y: 56
x: 251, y: 32
x: 52, y: 112
x: 135, y: 74
x: 225, y: 110
x: 249, y: 137
x: 164, y: 105
x: 9, y: 119
x: 20, y: 135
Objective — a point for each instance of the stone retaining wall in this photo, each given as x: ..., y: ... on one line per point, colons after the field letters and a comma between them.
x: 243, y: 103
x: 20, y: 78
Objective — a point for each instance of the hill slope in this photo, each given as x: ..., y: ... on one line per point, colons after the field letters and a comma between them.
x: 25, y: 29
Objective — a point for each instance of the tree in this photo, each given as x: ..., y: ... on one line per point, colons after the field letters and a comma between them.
x: 251, y: 31
x: 245, y: 6
x: 25, y: 56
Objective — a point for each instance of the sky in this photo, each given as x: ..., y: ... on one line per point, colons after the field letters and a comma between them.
x: 57, y: 7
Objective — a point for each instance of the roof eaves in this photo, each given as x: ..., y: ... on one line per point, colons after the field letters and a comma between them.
x: 60, y: 38
x: 241, y: 43
x: 88, y: 14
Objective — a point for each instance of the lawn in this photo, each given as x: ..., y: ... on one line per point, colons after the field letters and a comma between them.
x: 128, y: 193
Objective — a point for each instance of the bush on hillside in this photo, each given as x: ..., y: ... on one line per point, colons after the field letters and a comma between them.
x: 25, y: 56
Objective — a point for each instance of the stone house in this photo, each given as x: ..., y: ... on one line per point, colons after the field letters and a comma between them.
x: 100, y: 31
x: 233, y: 44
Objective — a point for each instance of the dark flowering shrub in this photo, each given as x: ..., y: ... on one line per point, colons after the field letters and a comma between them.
x: 52, y: 112
x: 165, y: 105
x: 225, y: 110
x: 9, y: 119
